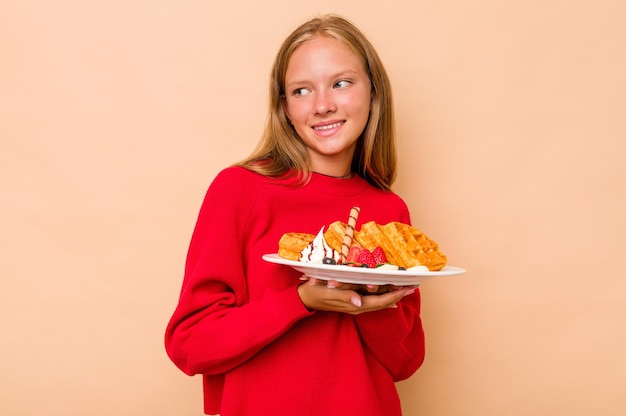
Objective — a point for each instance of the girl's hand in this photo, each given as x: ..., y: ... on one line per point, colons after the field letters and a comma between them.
x: 349, y: 298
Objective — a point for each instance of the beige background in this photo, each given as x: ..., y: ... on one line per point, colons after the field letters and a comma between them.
x: 115, y: 116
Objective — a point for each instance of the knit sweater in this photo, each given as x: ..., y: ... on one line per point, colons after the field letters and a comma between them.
x: 240, y: 322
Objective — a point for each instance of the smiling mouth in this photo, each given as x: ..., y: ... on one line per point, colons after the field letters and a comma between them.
x: 328, y: 126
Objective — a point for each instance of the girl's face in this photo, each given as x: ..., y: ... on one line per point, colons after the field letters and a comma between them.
x: 327, y: 99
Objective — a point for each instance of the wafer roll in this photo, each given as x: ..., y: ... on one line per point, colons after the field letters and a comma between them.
x: 347, y: 238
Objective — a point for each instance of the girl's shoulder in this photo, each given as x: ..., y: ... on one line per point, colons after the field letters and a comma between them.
x: 239, y: 179
x: 239, y: 182
x: 238, y: 174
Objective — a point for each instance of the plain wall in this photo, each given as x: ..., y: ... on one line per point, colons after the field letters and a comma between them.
x: 116, y: 115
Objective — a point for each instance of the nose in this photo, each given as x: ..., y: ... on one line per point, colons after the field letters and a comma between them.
x: 324, y: 102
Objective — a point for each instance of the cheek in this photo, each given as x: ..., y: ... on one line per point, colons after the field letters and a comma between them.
x: 358, y: 103
x: 295, y: 112
x: 361, y: 111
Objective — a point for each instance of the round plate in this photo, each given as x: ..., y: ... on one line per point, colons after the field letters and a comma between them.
x: 360, y: 275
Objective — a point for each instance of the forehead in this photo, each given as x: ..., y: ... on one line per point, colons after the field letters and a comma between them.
x: 322, y: 54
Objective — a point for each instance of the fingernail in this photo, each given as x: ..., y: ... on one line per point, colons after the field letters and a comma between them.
x: 410, y: 292
x: 370, y: 286
x: 394, y: 306
x: 356, y: 301
x: 331, y: 286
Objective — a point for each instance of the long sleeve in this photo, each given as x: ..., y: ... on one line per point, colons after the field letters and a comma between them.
x: 215, y: 327
x: 395, y: 336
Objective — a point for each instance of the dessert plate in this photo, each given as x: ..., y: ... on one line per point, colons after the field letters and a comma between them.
x: 360, y: 275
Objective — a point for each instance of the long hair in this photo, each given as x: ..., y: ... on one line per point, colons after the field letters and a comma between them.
x: 282, y: 152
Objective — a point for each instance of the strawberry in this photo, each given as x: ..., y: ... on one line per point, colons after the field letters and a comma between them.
x: 366, y: 257
x: 353, y: 254
x: 379, y: 256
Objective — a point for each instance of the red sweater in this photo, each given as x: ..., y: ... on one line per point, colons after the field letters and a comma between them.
x: 241, y: 324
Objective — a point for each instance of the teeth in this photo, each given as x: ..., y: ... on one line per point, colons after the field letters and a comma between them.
x: 328, y: 127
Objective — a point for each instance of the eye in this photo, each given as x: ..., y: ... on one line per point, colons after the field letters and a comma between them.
x: 300, y: 91
x: 342, y: 83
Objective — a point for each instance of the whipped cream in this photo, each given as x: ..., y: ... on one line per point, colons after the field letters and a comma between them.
x: 419, y: 268
x: 317, y: 250
x: 387, y: 266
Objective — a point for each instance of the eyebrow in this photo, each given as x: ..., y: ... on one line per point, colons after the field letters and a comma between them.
x: 338, y: 75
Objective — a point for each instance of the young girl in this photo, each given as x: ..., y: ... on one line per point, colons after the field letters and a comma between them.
x: 267, y: 340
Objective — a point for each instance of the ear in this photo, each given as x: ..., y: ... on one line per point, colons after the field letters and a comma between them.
x: 283, y: 103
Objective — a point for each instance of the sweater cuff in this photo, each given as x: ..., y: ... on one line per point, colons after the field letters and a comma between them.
x: 289, y: 306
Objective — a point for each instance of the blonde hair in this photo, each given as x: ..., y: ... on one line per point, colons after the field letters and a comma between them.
x: 280, y: 150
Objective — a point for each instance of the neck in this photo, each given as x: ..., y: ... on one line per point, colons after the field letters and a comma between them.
x: 346, y: 176
x: 336, y: 166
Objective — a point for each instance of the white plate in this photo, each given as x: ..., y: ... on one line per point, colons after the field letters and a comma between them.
x: 360, y: 275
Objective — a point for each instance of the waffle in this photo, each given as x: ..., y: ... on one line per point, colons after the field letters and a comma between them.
x: 291, y: 245
x: 334, y: 235
x: 403, y: 245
